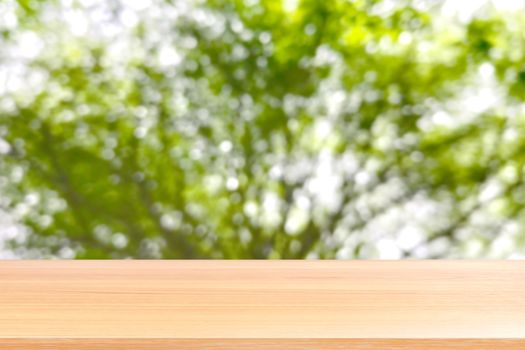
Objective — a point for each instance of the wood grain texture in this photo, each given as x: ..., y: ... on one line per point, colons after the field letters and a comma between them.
x: 307, y: 305
x: 261, y: 344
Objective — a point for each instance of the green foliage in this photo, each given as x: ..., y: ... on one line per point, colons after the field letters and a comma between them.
x: 260, y: 129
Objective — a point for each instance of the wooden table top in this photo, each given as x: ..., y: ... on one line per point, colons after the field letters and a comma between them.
x: 262, y: 304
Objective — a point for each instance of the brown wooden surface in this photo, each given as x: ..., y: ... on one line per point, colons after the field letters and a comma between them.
x: 262, y: 304
x: 261, y: 344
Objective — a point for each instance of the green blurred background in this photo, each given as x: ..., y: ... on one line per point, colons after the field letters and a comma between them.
x: 262, y: 129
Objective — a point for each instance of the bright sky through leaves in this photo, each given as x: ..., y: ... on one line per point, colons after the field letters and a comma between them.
x: 262, y: 129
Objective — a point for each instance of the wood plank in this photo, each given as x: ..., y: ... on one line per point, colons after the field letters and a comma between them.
x: 262, y: 304
x: 262, y: 344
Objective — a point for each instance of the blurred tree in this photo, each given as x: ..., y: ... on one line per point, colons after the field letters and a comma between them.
x: 261, y: 129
